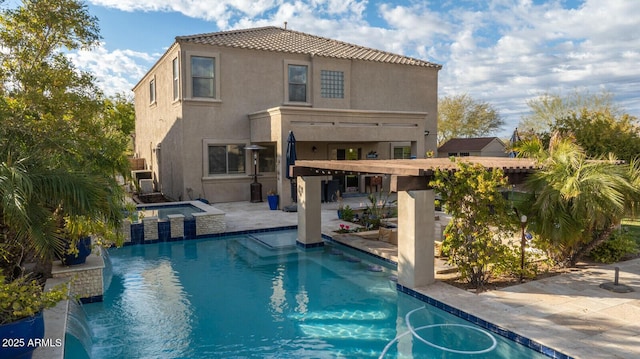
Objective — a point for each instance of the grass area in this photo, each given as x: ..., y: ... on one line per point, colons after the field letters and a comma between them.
x: 632, y: 226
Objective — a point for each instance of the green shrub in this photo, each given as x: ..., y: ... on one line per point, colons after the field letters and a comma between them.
x: 613, y: 250
x: 24, y: 297
x: 347, y: 213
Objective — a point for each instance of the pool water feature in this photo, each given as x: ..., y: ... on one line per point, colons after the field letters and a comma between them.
x: 235, y: 297
x: 78, y: 332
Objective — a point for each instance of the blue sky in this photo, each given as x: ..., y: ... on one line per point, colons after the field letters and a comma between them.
x: 504, y: 52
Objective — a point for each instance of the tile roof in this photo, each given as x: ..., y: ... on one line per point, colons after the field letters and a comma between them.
x: 466, y: 144
x: 277, y: 39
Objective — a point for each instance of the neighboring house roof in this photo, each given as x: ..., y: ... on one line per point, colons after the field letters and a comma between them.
x: 277, y: 39
x: 467, y: 144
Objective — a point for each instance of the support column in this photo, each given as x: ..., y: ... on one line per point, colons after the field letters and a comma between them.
x: 309, y: 218
x: 416, y: 238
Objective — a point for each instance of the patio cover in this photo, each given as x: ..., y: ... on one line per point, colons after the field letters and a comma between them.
x: 407, y: 175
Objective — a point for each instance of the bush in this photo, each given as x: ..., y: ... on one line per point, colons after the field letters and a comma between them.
x: 619, y: 245
x: 23, y: 298
x: 347, y: 213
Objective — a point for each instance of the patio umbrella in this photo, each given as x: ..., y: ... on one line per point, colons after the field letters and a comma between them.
x: 291, y: 160
x: 291, y: 152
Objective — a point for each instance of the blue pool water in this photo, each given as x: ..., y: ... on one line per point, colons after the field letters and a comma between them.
x: 259, y: 296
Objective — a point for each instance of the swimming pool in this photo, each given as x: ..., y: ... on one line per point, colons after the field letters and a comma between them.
x: 259, y: 296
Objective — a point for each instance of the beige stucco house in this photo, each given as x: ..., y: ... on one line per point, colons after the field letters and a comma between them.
x: 211, y: 95
x: 476, y: 146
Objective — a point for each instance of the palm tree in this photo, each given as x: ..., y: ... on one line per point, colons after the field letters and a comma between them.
x: 578, y: 202
x: 43, y: 208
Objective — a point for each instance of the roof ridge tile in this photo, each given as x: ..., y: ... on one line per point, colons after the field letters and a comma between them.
x: 272, y: 38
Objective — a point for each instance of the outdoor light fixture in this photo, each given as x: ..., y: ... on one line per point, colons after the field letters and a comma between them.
x: 256, y: 188
x: 426, y: 132
x: 523, y: 243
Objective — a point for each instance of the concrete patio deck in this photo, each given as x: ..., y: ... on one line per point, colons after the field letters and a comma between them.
x: 568, y: 312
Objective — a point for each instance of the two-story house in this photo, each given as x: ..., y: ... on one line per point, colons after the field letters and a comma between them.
x: 211, y: 95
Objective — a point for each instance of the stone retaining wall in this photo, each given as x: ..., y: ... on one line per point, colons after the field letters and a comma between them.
x: 86, y: 278
x: 209, y: 223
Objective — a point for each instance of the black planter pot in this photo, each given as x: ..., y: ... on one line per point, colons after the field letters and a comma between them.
x: 84, y: 249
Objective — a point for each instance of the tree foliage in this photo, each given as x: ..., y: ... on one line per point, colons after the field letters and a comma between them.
x: 61, y: 141
x: 601, y: 133
x: 547, y: 108
x: 462, y: 116
x: 577, y: 201
x: 481, y: 218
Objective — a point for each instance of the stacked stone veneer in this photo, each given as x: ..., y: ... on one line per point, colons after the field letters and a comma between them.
x: 150, y: 225
x: 211, y: 221
x: 86, y: 278
x: 176, y: 225
x: 126, y: 230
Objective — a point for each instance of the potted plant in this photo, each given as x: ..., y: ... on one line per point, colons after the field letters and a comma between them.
x: 80, y: 234
x: 273, y: 198
x: 77, y: 253
x: 21, y: 322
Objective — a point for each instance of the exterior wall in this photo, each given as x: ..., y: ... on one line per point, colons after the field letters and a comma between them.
x: 252, y: 81
x: 494, y: 149
x: 390, y: 87
x: 159, y: 132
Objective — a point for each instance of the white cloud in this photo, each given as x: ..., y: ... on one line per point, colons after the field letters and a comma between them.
x: 116, y: 71
x: 208, y: 10
x: 522, y: 50
x: 504, y: 52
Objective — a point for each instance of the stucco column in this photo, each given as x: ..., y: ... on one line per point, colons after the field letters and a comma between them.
x: 309, y: 228
x: 416, y: 238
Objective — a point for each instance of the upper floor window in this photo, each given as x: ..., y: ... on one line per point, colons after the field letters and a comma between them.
x: 331, y: 84
x: 152, y: 91
x: 176, y: 79
x: 298, y: 83
x: 226, y: 159
x: 203, y: 76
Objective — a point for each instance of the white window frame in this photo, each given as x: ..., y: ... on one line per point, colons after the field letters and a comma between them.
x: 175, y: 64
x: 152, y: 91
x: 216, y: 76
x: 307, y: 101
